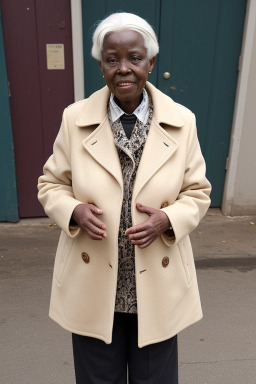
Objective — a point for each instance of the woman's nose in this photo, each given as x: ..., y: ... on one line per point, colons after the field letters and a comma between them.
x: 124, y: 66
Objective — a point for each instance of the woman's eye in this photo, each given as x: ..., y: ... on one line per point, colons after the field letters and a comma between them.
x: 112, y: 60
x: 135, y: 58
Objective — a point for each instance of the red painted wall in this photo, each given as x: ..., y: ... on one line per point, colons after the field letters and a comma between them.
x: 38, y: 95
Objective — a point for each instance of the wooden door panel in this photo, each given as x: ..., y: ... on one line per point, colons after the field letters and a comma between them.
x: 19, y: 26
x: 54, y: 27
x: 203, y: 45
x: 38, y: 95
x: 200, y: 44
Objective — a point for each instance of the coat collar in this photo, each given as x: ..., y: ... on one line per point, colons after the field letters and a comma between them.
x: 165, y: 110
x: 159, y: 146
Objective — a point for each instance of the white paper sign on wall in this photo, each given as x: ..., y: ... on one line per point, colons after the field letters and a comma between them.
x: 55, y: 56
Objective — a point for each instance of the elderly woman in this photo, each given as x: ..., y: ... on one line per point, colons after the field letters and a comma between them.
x: 126, y: 184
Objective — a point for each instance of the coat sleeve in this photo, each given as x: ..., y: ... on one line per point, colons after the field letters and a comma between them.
x: 193, y: 200
x: 55, y: 185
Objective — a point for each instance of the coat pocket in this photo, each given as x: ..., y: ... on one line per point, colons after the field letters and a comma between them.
x: 62, y: 255
x: 186, y: 258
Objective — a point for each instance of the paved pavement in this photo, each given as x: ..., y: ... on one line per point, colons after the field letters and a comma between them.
x: 220, y: 349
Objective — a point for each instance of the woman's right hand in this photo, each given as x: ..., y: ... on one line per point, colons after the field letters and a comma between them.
x: 84, y: 216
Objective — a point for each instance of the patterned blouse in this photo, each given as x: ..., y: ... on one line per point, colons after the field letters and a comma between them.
x: 130, y: 152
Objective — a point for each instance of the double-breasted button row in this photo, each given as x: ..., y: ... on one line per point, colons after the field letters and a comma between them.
x: 85, y: 257
x: 165, y: 261
x: 164, y: 204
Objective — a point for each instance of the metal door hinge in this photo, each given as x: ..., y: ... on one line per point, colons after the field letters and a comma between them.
x: 9, y: 89
x: 227, y: 163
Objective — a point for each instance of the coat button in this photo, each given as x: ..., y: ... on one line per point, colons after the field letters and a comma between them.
x: 85, y: 257
x: 165, y: 204
x: 165, y: 261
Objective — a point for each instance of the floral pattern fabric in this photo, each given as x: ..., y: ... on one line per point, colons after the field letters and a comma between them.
x: 129, y: 152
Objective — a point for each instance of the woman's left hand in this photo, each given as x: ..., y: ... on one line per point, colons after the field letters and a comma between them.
x: 146, y: 232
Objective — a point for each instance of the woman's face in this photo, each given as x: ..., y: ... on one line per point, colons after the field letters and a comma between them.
x: 125, y: 67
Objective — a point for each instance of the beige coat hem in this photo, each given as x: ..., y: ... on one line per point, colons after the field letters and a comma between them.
x: 69, y: 328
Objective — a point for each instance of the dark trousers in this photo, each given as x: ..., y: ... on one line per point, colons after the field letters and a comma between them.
x: 100, y: 363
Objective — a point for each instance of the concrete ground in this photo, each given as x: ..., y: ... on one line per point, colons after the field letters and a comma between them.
x: 220, y: 349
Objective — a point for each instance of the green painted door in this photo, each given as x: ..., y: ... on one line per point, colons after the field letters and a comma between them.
x: 200, y: 44
x: 8, y: 192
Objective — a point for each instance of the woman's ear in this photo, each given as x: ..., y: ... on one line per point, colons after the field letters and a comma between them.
x: 99, y: 63
x: 152, y: 63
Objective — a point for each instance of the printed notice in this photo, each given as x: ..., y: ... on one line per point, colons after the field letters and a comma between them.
x: 55, y: 56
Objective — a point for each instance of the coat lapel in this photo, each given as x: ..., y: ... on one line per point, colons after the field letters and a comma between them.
x: 100, y: 143
x: 160, y: 146
x: 101, y: 146
x: 158, y: 149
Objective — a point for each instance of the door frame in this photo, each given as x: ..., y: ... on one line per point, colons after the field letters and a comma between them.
x: 239, y: 116
x: 78, y: 53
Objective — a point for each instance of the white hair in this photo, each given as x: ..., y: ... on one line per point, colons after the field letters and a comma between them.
x: 123, y: 21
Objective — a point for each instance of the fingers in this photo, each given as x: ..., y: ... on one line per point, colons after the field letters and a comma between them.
x: 145, y: 226
x: 142, y: 235
x: 95, y: 209
x: 143, y: 238
x: 93, y: 235
x: 94, y: 228
x: 93, y: 231
x: 138, y: 235
x: 145, y: 209
x: 142, y: 243
x: 146, y: 232
x: 96, y: 222
x: 141, y: 230
x: 146, y: 244
x: 84, y: 215
x: 136, y: 229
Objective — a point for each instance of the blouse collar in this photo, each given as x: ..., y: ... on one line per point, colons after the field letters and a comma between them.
x: 141, y: 112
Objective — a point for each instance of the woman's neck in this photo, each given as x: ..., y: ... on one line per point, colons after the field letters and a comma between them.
x: 129, y: 106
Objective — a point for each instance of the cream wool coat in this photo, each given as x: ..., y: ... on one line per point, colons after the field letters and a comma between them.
x: 85, y: 168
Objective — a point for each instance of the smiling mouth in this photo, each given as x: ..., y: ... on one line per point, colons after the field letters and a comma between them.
x: 125, y: 84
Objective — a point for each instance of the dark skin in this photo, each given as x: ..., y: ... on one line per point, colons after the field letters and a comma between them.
x: 125, y: 67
